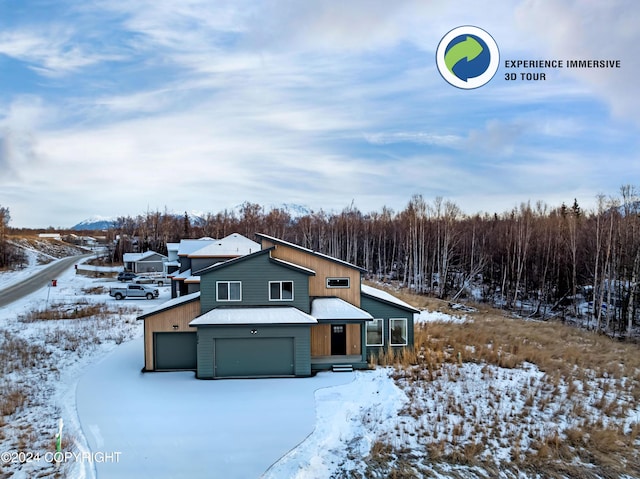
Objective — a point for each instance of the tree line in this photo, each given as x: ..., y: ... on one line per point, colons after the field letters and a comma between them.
x: 9, y: 254
x: 537, y: 260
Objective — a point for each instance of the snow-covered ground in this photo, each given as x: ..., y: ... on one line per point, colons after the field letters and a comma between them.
x: 42, y: 360
x: 420, y: 421
x: 10, y: 277
x: 167, y: 425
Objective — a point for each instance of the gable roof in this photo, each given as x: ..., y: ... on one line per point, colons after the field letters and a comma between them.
x: 232, y: 245
x: 133, y: 257
x: 188, y: 246
x: 384, y: 297
x: 277, y: 241
x: 248, y: 257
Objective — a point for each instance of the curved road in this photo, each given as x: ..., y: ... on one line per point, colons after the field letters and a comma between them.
x: 38, y: 280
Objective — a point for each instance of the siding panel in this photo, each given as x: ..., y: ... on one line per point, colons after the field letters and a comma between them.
x: 255, y: 274
x: 324, y: 268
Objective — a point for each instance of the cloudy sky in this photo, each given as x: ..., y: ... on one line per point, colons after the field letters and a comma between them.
x: 113, y: 108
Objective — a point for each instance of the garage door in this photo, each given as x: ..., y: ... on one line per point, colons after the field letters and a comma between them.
x: 175, y: 350
x: 235, y: 357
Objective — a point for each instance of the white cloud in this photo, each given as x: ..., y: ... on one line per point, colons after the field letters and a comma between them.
x: 593, y: 30
x: 311, y: 102
x: 50, y: 51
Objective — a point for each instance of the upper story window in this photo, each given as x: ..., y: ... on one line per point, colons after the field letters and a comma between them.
x: 338, y: 283
x: 280, y: 290
x: 228, y: 291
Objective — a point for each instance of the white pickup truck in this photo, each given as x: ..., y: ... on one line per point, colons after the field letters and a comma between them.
x: 134, y: 291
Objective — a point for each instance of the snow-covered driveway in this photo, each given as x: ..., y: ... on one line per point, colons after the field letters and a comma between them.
x: 171, y: 425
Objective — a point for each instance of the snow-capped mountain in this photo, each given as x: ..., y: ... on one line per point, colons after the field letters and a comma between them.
x: 95, y: 223
x: 294, y: 210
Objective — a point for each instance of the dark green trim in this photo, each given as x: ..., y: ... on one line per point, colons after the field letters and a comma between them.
x: 230, y: 262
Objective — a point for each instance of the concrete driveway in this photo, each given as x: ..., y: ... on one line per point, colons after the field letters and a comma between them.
x: 171, y: 425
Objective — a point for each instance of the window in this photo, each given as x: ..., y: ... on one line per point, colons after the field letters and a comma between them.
x: 374, y: 333
x: 229, y: 291
x: 398, y: 331
x: 280, y: 290
x: 337, y: 282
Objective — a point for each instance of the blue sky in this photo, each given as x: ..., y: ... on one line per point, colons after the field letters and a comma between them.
x: 115, y: 107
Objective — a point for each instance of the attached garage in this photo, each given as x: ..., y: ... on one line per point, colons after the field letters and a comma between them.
x: 169, y: 342
x: 253, y: 342
x: 240, y: 357
x: 175, y: 351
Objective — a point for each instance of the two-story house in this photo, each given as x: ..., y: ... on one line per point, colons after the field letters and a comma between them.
x: 193, y: 255
x: 283, y: 310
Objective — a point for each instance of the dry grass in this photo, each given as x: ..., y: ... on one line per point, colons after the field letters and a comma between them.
x: 590, y: 381
x: 60, y: 311
x: 95, y: 290
x: 29, y: 361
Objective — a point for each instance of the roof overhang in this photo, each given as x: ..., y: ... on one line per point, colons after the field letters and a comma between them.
x: 336, y: 308
x: 172, y: 303
x: 384, y: 297
x: 246, y: 316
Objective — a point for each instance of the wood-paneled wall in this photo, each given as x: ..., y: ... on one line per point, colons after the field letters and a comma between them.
x: 164, y: 321
x: 321, y: 339
x: 324, y: 268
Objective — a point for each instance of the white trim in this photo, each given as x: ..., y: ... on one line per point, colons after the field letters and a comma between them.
x: 281, y: 298
x: 371, y: 323
x: 228, y: 291
x: 340, y: 279
x: 406, y: 331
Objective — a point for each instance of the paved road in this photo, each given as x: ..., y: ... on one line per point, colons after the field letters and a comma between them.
x: 38, y: 280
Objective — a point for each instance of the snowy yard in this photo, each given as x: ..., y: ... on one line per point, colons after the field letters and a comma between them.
x: 477, y: 399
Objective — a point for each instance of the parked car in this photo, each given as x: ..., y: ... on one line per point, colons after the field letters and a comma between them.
x: 126, y: 276
x: 149, y: 280
x: 134, y: 291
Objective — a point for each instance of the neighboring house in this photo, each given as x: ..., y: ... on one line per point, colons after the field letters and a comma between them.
x: 55, y: 236
x: 194, y: 255
x: 173, y: 263
x: 149, y: 262
x: 283, y: 310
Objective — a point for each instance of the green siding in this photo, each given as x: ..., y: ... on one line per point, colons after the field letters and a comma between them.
x: 247, y: 362
x: 380, y: 309
x: 255, y: 273
x: 200, y: 263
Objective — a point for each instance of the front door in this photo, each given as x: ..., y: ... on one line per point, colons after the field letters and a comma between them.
x: 338, y: 339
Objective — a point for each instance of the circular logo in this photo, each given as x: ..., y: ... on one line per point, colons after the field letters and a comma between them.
x: 467, y: 57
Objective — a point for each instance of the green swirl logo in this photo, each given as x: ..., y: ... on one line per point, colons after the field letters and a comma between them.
x: 467, y: 57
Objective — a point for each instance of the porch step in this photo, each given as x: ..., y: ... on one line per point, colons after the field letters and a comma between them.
x: 342, y: 368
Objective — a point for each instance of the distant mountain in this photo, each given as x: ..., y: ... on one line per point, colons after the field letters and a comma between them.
x: 98, y: 223
x: 295, y: 211
x: 95, y: 223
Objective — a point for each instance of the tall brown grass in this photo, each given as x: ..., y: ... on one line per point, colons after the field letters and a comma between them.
x: 592, y: 369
